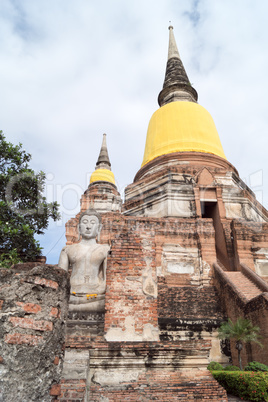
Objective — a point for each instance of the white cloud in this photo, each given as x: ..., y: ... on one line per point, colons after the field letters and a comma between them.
x: 71, y: 70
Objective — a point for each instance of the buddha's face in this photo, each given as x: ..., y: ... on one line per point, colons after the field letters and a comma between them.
x: 89, y: 226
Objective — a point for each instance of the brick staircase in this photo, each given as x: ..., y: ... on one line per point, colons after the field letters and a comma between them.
x: 244, y: 294
x: 244, y: 285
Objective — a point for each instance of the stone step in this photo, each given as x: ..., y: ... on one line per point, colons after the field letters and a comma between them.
x: 243, y: 284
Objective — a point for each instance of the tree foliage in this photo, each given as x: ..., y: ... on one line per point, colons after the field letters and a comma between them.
x: 24, y: 210
x: 242, y: 331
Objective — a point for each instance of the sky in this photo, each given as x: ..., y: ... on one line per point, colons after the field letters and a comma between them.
x: 71, y: 70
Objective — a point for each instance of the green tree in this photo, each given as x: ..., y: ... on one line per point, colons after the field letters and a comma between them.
x: 242, y: 331
x: 24, y: 211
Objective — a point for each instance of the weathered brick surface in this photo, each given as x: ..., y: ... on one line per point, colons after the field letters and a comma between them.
x: 78, y: 341
x: 127, y: 265
x: 54, y: 312
x: 187, y: 302
x: 55, y: 390
x: 155, y: 373
x: 31, y: 338
x: 46, y: 282
x: 23, y: 339
x: 228, y: 232
x: 136, y: 246
x: 188, y: 311
x: 30, y: 307
x: 143, y: 371
x: 31, y: 323
x: 72, y: 390
x: 166, y: 390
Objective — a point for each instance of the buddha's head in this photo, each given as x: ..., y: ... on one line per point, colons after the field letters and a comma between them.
x: 89, y: 224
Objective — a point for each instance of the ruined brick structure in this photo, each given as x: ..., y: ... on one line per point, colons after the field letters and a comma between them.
x: 33, y: 313
x: 188, y: 248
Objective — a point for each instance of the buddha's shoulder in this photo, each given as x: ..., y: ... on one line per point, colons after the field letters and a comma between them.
x: 70, y: 248
x: 103, y: 248
x: 65, y: 249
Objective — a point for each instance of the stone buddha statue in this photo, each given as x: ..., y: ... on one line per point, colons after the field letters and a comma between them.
x: 88, y: 261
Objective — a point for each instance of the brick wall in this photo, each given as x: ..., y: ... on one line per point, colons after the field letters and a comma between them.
x: 33, y: 311
x: 146, y: 371
x: 163, y: 385
x: 131, y: 260
x: 188, y: 302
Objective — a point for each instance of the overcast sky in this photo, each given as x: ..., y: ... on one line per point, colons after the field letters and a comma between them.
x: 71, y: 70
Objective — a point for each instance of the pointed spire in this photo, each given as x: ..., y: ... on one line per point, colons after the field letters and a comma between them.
x: 103, y: 171
x: 172, y: 48
x: 177, y: 86
x: 103, y: 161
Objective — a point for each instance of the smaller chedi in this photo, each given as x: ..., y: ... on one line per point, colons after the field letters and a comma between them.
x: 88, y: 261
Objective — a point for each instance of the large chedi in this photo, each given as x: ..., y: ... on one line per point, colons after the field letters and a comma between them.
x: 188, y: 249
x: 184, y: 171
